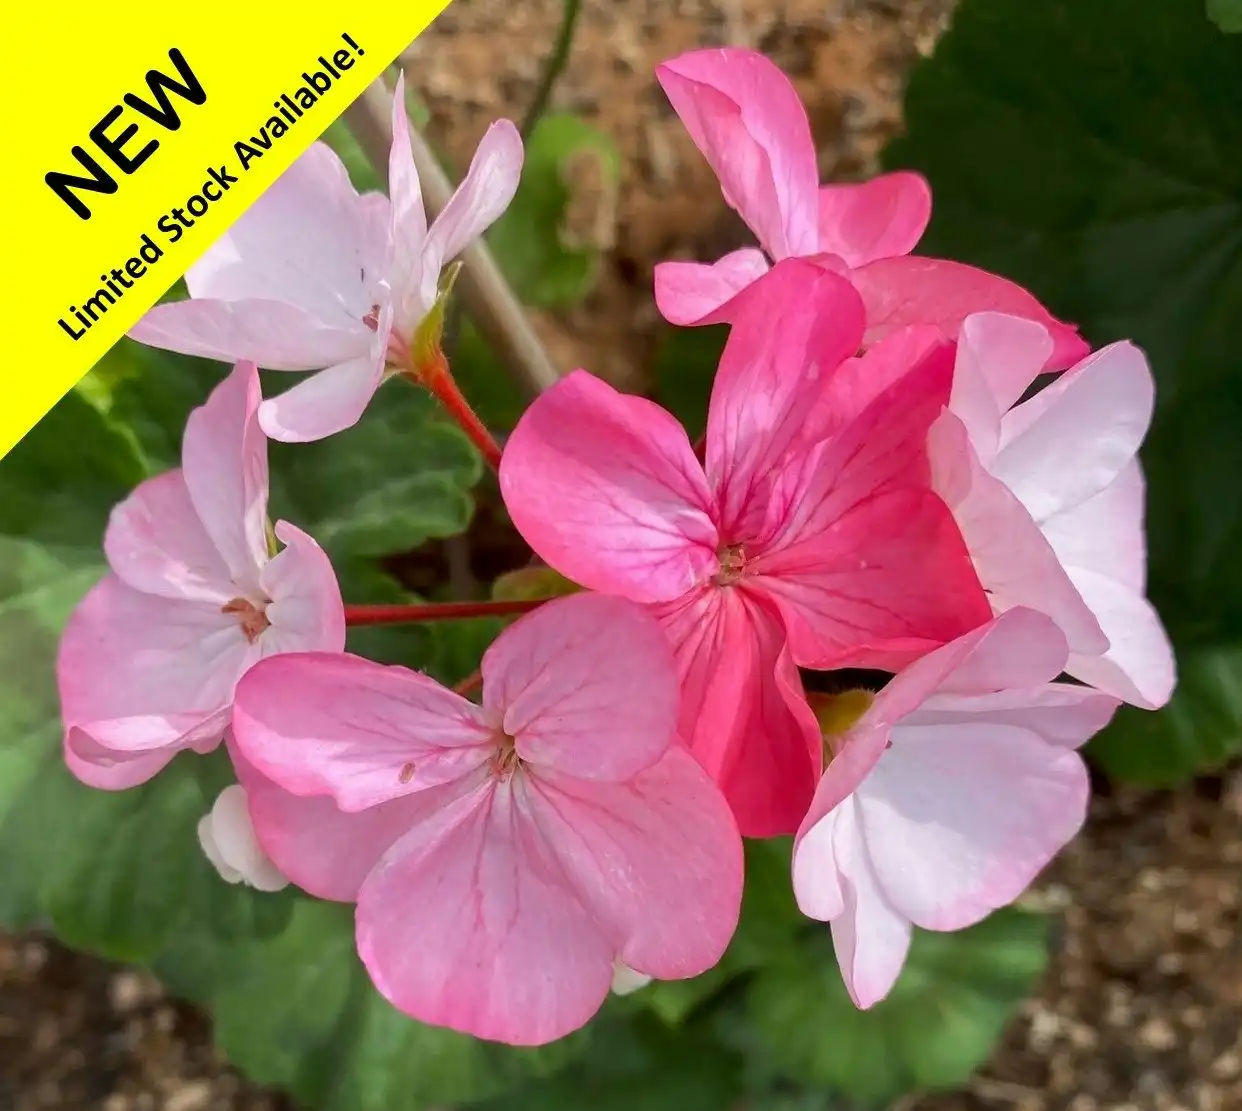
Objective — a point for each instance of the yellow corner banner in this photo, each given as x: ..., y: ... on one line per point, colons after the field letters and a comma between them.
x: 147, y: 136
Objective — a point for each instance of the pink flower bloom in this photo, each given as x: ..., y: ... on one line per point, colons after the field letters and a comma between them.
x: 1049, y: 496
x: 150, y: 657
x: 947, y: 797
x: 314, y: 276
x: 227, y: 837
x: 810, y: 537
x: 746, y: 118
x: 504, y: 856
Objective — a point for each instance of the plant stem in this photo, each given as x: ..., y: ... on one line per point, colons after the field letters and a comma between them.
x: 468, y: 684
x: 443, y: 386
x: 487, y: 296
x: 356, y: 616
x: 553, y: 67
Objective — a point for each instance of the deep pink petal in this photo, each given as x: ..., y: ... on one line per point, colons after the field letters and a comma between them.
x: 606, y: 489
x: 507, y: 950
x: 224, y: 463
x: 899, y: 292
x: 586, y: 686
x: 339, y: 725
x: 743, y: 712
x: 305, y: 611
x: 791, y: 330
x: 156, y: 544
x: 658, y: 860
x: 686, y: 292
x: 881, y: 218
x: 746, y: 118
x: 325, y: 403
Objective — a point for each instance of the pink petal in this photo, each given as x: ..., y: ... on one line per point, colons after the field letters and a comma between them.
x: 1063, y: 714
x: 228, y: 839
x: 224, y: 463
x: 323, y: 404
x: 305, y: 611
x: 156, y: 544
x: 339, y: 725
x: 108, y: 769
x: 508, y: 952
x: 274, y: 334
x: 746, y: 118
x: 586, y: 686
x: 1016, y: 564
x: 743, y: 713
x: 791, y: 330
x: 1138, y: 667
x: 408, y: 220
x: 686, y: 292
x: 899, y: 292
x: 881, y: 218
x: 658, y: 860
x: 1105, y: 533
x: 310, y: 241
x: 1075, y: 437
x: 606, y: 489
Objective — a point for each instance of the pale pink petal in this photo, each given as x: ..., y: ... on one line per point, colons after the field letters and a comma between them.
x: 408, y: 227
x: 227, y: 837
x: 1075, y: 437
x: 305, y: 611
x: 746, y: 118
x: 899, y: 292
x: 224, y: 463
x: 791, y: 330
x: 606, y: 489
x: 625, y: 981
x: 1138, y: 667
x: 156, y: 544
x: 1105, y: 534
x: 1016, y: 564
x: 586, y: 686
x: 686, y: 292
x: 323, y: 404
x: 880, y: 218
x: 998, y: 357
x: 1063, y: 714
x: 274, y: 334
x: 517, y: 957
x: 743, y: 712
x: 658, y: 860
x: 310, y: 241
x: 339, y: 725
x: 482, y: 196
x: 108, y: 769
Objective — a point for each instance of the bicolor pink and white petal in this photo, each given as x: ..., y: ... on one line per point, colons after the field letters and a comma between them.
x: 744, y: 115
x: 504, y: 857
x: 316, y: 276
x: 947, y: 797
x: 150, y: 657
x: 806, y: 538
x: 1049, y: 495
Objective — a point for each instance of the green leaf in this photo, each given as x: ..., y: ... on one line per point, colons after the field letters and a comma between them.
x: 535, y: 241
x: 935, y: 1028
x: 1226, y: 14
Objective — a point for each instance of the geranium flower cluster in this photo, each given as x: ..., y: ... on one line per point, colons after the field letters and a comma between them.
x: 881, y: 486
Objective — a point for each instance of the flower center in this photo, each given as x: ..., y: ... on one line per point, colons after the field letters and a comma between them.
x: 252, y: 619
x: 732, y: 559
x: 837, y: 714
x: 505, y: 761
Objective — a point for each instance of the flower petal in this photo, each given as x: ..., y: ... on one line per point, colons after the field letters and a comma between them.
x: 606, y: 489
x: 224, y: 463
x: 339, y: 725
x: 156, y: 544
x: 324, y: 404
x: 1064, y: 714
x: 881, y: 218
x: 687, y: 292
x: 1104, y: 534
x: 743, y: 713
x: 586, y: 686
x: 746, y: 118
x: 228, y: 840
x: 658, y: 861
x: 412, y: 287
x: 306, y: 612
x: 508, y: 951
x: 909, y: 290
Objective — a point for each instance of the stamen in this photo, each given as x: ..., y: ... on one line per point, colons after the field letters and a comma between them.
x: 506, y: 760
x: 407, y: 773
x: 371, y: 320
x: 252, y: 619
x: 732, y: 564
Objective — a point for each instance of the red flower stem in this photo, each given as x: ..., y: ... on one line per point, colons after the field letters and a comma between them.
x: 437, y: 611
x: 439, y: 380
x: 469, y: 683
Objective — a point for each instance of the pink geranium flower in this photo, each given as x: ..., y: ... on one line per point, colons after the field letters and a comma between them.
x: 314, y: 276
x: 947, y: 797
x: 1049, y: 496
x: 195, y: 596
x: 745, y: 116
x: 810, y: 536
x: 504, y: 857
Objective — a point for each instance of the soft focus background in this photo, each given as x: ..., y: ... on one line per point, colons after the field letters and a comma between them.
x: 1089, y: 148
